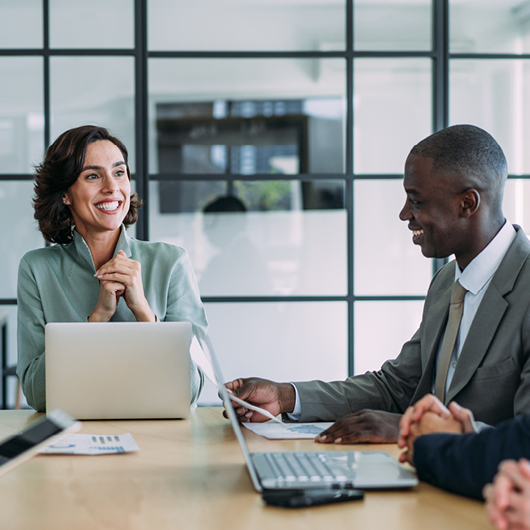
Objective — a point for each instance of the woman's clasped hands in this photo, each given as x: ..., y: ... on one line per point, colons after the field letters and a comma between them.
x: 121, y: 276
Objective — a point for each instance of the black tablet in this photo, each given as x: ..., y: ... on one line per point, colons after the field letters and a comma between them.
x: 22, y: 446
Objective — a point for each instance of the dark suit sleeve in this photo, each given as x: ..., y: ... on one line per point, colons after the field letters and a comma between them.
x: 464, y: 464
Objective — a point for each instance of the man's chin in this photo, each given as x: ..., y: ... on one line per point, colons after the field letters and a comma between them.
x: 430, y: 253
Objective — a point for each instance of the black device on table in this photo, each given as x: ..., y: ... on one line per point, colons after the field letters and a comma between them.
x: 23, y: 445
x: 298, y: 498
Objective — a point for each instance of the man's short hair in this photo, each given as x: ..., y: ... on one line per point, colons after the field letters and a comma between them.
x: 470, y: 153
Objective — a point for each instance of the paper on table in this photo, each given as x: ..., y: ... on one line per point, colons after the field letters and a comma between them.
x: 288, y: 430
x: 203, y: 363
x: 92, y: 444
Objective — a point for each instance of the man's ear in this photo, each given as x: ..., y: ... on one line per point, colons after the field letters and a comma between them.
x: 470, y: 202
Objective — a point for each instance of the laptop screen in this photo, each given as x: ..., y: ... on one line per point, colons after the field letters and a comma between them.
x: 207, y: 348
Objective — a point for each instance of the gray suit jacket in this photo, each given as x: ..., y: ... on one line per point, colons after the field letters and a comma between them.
x: 492, y: 376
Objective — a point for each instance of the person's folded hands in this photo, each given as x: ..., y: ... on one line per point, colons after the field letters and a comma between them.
x: 429, y: 415
x: 128, y: 272
x: 429, y: 423
x: 428, y: 403
x: 508, y: 497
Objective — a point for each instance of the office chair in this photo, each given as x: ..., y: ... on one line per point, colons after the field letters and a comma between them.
x: 10, y: 371
x: 7, y: 371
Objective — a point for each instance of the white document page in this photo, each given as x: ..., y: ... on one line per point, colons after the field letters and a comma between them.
x: 92, y: 444
x: 285, y: 431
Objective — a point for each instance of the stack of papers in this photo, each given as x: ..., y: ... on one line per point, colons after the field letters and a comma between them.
x: 92, y: 444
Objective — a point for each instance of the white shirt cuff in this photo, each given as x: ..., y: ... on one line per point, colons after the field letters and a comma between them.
x: 297, y: 411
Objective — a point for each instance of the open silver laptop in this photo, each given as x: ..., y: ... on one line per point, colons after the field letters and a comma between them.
x: 119, y: 370
x: 312, y: 469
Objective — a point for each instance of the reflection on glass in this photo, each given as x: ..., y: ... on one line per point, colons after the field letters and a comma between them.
x: 391, y: 25
x: 247, y: 116
x: 256, y: 238
x: 489, y: 26
x: 516, y: 203
x: 381, y: 329
x: 494, y: 95
x: 109, y: 102
x: 21, y: 114
x: 246, y: 25
x: 94, y: 24
x: 392, y: 112
x: 16, y: 212
x: 386, y: 260
x: 280, y: 341
x: 238, y: 267
x: 20, y: 24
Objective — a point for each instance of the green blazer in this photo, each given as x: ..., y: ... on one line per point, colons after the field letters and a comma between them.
x: 57, y: 284
x: 492, y: 376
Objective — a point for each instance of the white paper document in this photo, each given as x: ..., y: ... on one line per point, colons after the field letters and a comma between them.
x: 285, y: 431
x: 92, y: 444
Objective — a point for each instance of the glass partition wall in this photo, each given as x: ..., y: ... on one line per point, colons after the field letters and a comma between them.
x: 267, y: 138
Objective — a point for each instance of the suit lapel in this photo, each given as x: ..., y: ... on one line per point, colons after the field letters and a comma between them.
x: 489, y: 314
x: 481, y: 333
x: 438, y: 314
x: 435, y: 322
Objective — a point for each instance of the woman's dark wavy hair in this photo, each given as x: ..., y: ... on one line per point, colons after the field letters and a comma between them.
x: 60, y: 169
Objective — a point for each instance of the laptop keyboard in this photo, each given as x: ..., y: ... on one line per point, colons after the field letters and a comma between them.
x: 311, y: 467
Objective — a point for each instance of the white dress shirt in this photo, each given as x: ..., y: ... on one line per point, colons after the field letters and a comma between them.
x: 476, y: 278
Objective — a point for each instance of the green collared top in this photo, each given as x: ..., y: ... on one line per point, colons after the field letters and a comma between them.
x: 57, y: 284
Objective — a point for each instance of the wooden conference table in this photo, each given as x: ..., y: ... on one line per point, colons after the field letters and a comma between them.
x: 191, y: 475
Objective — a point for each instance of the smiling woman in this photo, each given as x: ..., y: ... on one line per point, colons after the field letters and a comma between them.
x: 95, y: 272
x: 99, y: 199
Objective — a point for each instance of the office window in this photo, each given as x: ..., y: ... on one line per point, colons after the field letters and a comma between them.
x: 490, y: 26
x: 301, y: 111
x: 19, y: 234
x: 256, y: 238
x: 392, y: 25
x: 20, y: 24
x: 94, y: 24
x: 274, y: 340
x: 294, y: 103
x: 96, y: 90
x: 249, y: 136
x: 246, y: 25
x: 386, y: 261
x: 21, y: 114
x: 517, y: 202
x: 380, y: 330
x: 392, y: 112
x: 494, y: 94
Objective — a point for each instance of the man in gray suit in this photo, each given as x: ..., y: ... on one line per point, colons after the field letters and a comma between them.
x: 454, y: 183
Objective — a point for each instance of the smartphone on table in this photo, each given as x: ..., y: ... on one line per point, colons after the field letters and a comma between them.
x: 298, y: 498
